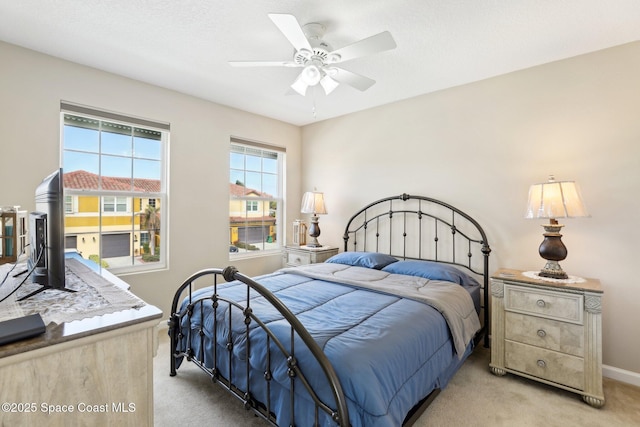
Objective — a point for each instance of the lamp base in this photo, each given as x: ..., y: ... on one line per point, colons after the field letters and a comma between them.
x: 553, y: 250
x: 314, y: 232
x: 553, y: 270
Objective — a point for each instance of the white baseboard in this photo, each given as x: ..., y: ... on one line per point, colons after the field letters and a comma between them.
x: 621, y: 375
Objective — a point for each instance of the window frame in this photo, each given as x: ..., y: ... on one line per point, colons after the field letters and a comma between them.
x: 117, y: 201
x: 252, y: 205
x: 70, y: 204
x: 133, y: 197
x: 279, y: 199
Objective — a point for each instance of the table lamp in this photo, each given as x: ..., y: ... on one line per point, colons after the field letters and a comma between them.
x: 554, y: 199
x: 313, y: 203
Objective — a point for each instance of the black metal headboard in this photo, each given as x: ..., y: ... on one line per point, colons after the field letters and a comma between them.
x: 422, y: 228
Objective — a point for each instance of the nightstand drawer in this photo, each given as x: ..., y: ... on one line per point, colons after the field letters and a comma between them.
x: 546, y: 364
x: 552, y: 305
x: 546, y: 333
x: 303, y: 255
x: 298, y: 258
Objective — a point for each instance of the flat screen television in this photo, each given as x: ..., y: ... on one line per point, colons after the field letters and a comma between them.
x: 46, y: 235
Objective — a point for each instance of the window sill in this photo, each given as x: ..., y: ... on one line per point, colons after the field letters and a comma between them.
x: 255, y: 254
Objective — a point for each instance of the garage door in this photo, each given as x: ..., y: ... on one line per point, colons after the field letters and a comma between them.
x: 115, y: 245
x: 253, y: 234
x: 71, y: 242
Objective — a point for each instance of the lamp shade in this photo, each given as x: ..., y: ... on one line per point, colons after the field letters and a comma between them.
x: 313, y: 203
x: 555, y: 199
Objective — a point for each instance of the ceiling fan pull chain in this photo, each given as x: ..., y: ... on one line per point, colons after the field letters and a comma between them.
x: 313, y: 108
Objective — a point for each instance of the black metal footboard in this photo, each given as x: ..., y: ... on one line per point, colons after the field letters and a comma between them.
x: 224, y: 376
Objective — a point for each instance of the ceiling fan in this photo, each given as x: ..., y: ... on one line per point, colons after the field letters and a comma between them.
x: 317, y: 60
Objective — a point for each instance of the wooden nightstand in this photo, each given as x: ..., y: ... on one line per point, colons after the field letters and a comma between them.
x: 548, y: 331
x: 300, y: 255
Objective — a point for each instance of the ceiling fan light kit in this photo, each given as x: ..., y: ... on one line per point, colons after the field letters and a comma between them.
x: 317, y: 59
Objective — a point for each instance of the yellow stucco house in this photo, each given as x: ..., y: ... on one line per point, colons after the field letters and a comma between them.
x: 250, y: 221
x: 115, y: 222
x: 114, y: 226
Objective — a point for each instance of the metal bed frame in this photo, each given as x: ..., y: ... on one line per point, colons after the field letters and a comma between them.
x: 371, y: 229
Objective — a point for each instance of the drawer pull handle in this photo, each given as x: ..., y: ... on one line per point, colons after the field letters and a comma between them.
x: 541, y: 303
x: 542, y: 363
x: 541, y: 333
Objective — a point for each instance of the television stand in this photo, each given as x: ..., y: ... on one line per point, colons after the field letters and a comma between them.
x: 44, y: 288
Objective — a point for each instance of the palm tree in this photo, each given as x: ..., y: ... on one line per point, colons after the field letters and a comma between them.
x: 151, y: 222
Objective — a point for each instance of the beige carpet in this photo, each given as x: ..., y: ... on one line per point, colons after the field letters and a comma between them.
x: 474, y: 397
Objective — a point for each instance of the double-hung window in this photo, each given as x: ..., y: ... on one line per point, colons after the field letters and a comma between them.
x: 252, y: 206
x: 115, y: 204
x: 115, y: 188
x: 256, y: 189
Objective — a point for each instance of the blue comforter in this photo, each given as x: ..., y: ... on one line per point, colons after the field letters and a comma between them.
x: 388, y: 351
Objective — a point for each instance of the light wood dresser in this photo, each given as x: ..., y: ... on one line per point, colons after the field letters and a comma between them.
x: 96, y: 371
x: 548, y: 331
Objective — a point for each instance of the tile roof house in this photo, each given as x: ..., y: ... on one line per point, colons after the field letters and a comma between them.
x: 112, y: 226
x: 249, y: 222
x: 81, y: 179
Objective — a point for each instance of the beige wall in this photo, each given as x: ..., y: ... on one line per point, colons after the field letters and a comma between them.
x: 31, y: 88
x: 481, y: 145
x: 478, y: 147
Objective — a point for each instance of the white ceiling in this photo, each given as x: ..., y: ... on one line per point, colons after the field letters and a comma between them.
x: 184, y: 45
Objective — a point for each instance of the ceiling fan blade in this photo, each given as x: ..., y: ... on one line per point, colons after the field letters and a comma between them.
x: 352, y: 79
x: 263, y: 64
x: 289, y: 26
x: 370, y: 45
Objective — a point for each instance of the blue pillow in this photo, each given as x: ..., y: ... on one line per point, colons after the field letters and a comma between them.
x: 363, y: 259
x: 431, y: 270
